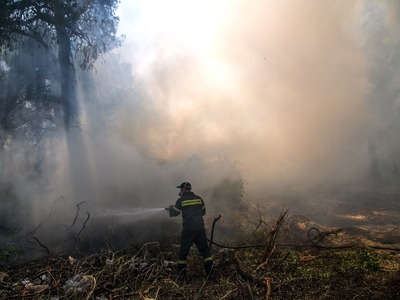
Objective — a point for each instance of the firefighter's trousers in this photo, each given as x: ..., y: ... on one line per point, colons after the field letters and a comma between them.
x: 199, y: 238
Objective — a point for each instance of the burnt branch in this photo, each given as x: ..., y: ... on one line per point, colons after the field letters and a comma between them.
x: 84, y: 225
x: 41, y: 245
x: 77, y: 213
x: 270, y: 245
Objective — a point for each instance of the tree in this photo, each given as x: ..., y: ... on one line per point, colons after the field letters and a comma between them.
x: 381, y: 47
x: 75, y: 33
x: 26, y: 98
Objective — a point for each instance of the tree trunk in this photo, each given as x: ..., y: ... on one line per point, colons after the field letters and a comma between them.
x: 66, y: 69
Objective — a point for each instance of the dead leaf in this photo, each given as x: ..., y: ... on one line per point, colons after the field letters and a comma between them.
x: 31, y: 288
x: 305, y: 258
x: 71, y: 260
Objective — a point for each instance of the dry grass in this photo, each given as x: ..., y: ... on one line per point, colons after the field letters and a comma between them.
x: 322, y: 270
x: 148, y: 273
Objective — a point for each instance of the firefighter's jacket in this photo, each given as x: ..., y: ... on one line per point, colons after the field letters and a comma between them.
x: 192, y: 208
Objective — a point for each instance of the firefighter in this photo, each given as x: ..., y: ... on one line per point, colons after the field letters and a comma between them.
x: 193, y: 231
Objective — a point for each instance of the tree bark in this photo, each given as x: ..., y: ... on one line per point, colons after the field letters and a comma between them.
x: 66, y: 69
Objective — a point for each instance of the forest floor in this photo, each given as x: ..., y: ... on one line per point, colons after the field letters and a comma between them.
x: 331, y: 245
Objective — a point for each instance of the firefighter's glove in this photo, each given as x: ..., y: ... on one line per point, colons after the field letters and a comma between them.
x: 169, y: 208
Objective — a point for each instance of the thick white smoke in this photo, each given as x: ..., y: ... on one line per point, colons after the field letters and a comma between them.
x: 282, y: 87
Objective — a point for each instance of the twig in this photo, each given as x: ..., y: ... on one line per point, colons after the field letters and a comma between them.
x: 34, y: 230
x: 250, y: 291
x: 260, y: 220
x: 48, y: 218
x: 54, y: 202
x: 272, y: 236
x: 281, y: 261
x: 84, y: 225
x: 77, y: 213
x: 385, y: 248
x: 41, y: 245
x: 212, y: 230
x: 271, y: 241
x: 244, y: 273
x: 258, y: 225
x: 227, y: 294
x: 268, y: 285
x: 199, y: 291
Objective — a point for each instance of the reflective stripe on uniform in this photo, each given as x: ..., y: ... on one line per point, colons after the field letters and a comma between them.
x: 176, y: 209
x: 191, y: 202
x: 182, y: 262
x: 207, y: 259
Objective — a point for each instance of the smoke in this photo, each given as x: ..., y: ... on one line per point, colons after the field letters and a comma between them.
x: 282, y: 87
x: 264, y: 94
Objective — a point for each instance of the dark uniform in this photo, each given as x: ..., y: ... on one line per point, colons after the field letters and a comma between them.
x: 193, y: 209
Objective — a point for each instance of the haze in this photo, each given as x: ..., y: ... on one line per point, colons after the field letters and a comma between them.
x: 287, y: 89
x: 280, y: 95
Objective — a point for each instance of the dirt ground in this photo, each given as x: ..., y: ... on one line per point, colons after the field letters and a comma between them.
x: 331, y: 244
x: 371, y: 216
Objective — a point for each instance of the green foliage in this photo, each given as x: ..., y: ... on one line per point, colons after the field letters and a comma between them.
x: 48, y: 40
x: 360, y: 260
x: 6, y: 254
x: 305, y: 272
x: 329, y: 264
x: 90, y: 27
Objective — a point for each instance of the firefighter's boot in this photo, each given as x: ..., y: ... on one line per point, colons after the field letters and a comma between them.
x: 209, y: 267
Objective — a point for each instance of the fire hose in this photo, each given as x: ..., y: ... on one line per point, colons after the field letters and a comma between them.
x: 211, y: 242
x: 315, y: 240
